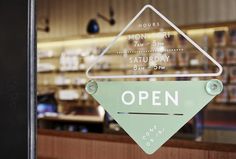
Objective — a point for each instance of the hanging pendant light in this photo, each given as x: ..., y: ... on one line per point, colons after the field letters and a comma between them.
x: 93, y: 27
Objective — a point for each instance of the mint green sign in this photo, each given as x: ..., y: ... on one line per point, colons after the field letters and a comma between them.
x: 152, y: 112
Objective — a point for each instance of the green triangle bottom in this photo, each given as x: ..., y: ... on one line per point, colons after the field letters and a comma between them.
x: 150, y: 126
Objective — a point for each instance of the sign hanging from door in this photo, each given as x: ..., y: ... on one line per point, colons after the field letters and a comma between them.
x: 160, y: 80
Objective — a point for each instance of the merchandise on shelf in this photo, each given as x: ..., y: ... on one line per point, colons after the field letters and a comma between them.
x: 45, y: 67
x: 46, y: 104
x: 169, y: 41
x: 45, y: 54
x: 231, y: 56
x: 62, y: 80
x: 80, y: 81
x: 232, y: 93
x: 219, y: 55
x: 232, y: 74
x: 183, y: 58
x: 220, y: 38
x: 223, y: 97
x: 182, y: 42
x: 195, y: 59
x: 69, y: 61
x: 68, y: 94
x: 232, y: 36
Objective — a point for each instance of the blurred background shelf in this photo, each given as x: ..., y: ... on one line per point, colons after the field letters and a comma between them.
x: 217, y: 115
x: 76, y: 118
x: 222, y: 107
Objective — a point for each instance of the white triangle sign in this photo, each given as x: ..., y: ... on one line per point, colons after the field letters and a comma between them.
x: 220, y: 69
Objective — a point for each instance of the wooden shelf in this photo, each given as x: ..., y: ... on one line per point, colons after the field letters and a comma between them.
x: 75, y: 100
x: 59, y: 71
x: 56, y: 86
x: 76, y: 118
x: 83, y: 71
x: 46, y: 58
x: 222, y: 107
x: 129, y: 69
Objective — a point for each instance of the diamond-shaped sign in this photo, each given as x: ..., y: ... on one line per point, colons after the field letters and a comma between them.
x: 152, y: 112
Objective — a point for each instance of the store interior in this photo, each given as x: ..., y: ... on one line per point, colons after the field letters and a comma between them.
x: 72, y: 34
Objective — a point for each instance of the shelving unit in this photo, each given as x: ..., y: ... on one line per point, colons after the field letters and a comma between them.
x: 86, y: 45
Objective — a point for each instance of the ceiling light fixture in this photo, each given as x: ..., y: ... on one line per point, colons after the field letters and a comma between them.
x: 93, y: 26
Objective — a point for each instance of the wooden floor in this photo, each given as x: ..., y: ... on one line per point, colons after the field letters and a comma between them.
x: 51, y: 146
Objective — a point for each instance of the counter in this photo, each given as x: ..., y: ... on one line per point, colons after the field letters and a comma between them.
x: 72, y: 145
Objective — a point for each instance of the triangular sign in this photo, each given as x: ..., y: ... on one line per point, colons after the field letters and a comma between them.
x: 196, y: 46
x: 152, y: 112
